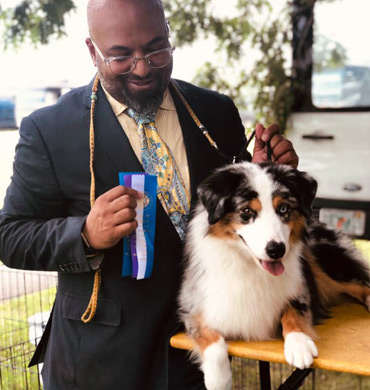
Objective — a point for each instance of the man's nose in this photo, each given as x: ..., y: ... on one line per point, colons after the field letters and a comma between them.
x: 141, y: 68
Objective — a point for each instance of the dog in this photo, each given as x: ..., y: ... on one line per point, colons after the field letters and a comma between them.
x: 258, y: 266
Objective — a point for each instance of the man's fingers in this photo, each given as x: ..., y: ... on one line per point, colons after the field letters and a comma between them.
x: 125, y: 229
x: 280, y: 145
x: 259, y: 130
x: 258, y: 143
x: 288, y: 158
x: 123, y: 216
x: 123, y: 202
x: 266, y: 134
x: 283, y: 151
x: 118, y: 191
x: 112, y: 217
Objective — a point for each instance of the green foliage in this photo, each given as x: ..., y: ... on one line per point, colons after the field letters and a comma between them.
x: 328, y: 54
x: 192, y: 19
x: 235, y: 37
x: 269, y: 77
x: 34, y: 20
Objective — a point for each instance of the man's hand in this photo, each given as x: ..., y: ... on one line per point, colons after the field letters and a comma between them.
x: 112, y: 217
x: 282, y: 150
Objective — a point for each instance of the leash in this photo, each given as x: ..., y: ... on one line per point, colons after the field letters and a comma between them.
x: 90, y: 311
x: 269, y: 151
x: 205, y: 132
x: 211, y: 141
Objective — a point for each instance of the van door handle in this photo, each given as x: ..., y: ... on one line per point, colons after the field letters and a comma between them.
x: 318, y: 137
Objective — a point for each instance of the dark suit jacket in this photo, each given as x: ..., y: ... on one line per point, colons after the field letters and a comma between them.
x: 126, y: 346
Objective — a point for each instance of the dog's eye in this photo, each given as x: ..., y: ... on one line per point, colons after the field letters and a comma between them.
x: 247, y: 214
x: 283, y: 209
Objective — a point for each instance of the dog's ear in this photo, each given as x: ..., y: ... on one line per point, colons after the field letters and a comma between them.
x: 216, y: 191
x: 306, y: 188
x: 300, y: 184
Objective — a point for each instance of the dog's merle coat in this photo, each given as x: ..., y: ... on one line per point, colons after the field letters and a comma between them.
x: 258, y: 266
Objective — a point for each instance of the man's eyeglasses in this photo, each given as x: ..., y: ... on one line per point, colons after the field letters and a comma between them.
x: 125, y: 64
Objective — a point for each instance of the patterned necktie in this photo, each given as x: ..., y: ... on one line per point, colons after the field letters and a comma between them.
x: 158, y: 160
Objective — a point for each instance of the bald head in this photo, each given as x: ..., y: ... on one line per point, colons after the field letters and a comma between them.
x: 103, y: 11
x: 130, y: 28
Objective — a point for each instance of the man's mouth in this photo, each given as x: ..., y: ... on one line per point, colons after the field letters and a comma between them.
x: 142, y: 83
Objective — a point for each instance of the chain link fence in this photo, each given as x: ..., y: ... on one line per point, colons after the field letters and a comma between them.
x: 26, y: 299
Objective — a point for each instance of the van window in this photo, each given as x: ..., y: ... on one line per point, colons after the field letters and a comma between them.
x: 341, y: 60
x: 330, y: 121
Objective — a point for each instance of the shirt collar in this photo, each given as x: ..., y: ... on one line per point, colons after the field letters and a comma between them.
x: 118, y: 107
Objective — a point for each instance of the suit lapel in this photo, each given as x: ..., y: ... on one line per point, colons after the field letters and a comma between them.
x: 109, y: 134
x: 202, y: 157
x: 113, y: 140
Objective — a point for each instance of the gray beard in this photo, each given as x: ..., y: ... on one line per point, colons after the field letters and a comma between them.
x: 146, y: 107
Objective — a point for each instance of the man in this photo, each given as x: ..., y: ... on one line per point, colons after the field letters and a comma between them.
x: 125, y: 345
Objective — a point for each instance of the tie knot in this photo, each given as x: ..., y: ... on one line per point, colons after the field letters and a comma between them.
x: 140, y: 119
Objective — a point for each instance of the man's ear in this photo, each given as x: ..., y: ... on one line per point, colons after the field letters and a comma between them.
x: 92, y: 51
x: 216, y: 191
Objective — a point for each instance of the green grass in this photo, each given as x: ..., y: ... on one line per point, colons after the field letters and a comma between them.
x: 16, y: 351
x: 15, y: 348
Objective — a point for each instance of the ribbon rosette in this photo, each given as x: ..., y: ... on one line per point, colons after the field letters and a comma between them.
x: 138, y: 247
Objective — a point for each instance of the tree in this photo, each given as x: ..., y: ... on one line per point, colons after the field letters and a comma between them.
x: 328, y: 54
x: 236, y: 36
x: 35, y: 21
x: 269, y: 79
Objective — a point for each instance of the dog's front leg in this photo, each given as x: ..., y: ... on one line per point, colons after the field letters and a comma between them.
x: 299, y: 347
x: 215, y: 363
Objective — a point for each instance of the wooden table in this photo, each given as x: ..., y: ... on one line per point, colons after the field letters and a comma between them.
x: 343, y: 343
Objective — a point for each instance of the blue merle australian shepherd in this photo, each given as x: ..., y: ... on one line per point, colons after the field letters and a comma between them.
x: 258, y: 264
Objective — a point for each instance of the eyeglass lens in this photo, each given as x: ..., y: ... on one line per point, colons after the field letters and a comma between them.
x: 154, y: 60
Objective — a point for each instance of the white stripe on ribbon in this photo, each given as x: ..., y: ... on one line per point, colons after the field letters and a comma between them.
x: 138, y: 183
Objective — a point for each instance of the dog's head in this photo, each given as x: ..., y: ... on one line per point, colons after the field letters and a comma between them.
x: 264, y: 206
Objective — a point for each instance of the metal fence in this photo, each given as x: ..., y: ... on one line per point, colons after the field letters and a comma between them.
x: 26, y: 299
x: 25, y: 302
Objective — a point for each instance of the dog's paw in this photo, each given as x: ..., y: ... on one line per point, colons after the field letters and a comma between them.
x: 216, y: 367
x: 299, y: 350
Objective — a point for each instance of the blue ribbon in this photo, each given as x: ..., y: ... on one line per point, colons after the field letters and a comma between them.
x: 130, y: 264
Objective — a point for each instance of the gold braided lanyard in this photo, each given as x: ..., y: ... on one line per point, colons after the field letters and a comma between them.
x: 195, y: 118
x: 91, y: 308
x: 205, y: 132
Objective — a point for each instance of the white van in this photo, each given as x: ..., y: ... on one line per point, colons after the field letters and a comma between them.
x: 28, y: 100
x: 330, y: 126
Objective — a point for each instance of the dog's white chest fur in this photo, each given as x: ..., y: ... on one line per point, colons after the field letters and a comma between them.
x: 234, y: 295
x: 255, y: 261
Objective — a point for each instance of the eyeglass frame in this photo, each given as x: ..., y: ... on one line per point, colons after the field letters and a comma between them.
x: 134, y: 60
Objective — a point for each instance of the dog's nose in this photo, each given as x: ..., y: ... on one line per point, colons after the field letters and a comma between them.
x: 275, y: 250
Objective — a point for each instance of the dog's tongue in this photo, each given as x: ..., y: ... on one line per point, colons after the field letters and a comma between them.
x: 274, y: 267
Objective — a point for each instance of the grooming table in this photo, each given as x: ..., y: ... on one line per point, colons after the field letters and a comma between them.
x: 343, y: 343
